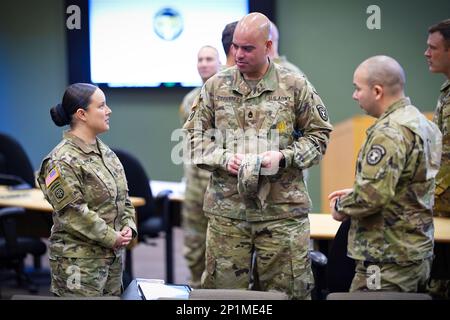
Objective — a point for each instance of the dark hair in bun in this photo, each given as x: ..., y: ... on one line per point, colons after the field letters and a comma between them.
x: 76, y: 96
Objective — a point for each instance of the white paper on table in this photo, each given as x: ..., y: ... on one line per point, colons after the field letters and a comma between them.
x: 153, y: 291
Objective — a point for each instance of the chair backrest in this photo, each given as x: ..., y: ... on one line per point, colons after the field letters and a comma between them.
x: 138, y: 183
x: 378, y: 295
x: 340, y: 268
x: 235, y: 294
x: 14, y: 160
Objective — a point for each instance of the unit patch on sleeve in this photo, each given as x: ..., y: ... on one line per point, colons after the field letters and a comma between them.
x: 375, y: 154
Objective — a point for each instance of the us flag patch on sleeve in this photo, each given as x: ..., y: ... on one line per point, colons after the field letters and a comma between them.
x: 51, y: 177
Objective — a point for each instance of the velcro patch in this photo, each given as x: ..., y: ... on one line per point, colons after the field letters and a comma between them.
x: 51, y: 177
x: 57, y: 191
x: 322, y: 112
x: 375, y: 154
x: 191, y: 116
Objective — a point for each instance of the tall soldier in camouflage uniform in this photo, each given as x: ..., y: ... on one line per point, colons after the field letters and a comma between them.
x: 390, y: 205
x: 438, y: 57
x: 256, y: 199
x: 194, y: 220
x: 84, y: 181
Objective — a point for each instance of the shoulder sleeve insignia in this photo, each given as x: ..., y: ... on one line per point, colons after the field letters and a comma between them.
x: 375, y: 154
x: 322, y: 112
x: 51, y: 177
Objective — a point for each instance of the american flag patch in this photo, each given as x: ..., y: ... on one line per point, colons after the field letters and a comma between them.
x: 52, y: 176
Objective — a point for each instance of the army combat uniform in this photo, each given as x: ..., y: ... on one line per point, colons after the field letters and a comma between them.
x: 87, y: 188
x: 442, y: 119
x: 194, y: 219
x: 283, y: 61
x: 276, y: 224
x: 439, y: 285
x: 391, y: 204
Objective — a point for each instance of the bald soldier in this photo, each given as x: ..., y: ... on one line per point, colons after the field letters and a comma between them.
x: 194, y: 220
x: 273, y: 53
x: 390, y: 205
x: 241, y: 128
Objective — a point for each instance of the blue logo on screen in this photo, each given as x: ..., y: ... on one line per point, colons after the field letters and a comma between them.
x: 168, y: 24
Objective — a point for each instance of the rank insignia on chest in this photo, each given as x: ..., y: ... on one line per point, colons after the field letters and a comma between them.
x: 51, y: 177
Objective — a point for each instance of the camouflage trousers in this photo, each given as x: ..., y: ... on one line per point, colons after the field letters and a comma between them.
x: 282, y: 255
x: 398, y: 277
x: 72, y: 277
x: 194, y: 226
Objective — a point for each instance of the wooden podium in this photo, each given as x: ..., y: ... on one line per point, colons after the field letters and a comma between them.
x: 338, y: 164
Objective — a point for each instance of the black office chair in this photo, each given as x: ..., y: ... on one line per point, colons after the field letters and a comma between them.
x: 152, y: 218
x: 340, y: 268
x: 13, y: 249
x: 16, y: 171
x: 14, y: 161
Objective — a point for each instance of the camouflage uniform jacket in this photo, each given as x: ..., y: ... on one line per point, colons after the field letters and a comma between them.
x: 87, y: 187
x: 193, y: 174
x: 442, y: 119
x: 283, y: 61
x: 283, y: 102
x: 391, y: 205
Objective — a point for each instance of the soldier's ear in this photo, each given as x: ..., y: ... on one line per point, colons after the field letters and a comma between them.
x: 80, y: 114
x: 378, y: 91
x: 269, y: 45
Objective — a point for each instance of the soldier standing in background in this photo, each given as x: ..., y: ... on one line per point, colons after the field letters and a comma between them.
x: 438, y: 58
x: 194, y: 220
x: 275, y: 56
x: 257, y: 200
x: 84, y: 181
x: 227, y: 39
x: 391, y: 202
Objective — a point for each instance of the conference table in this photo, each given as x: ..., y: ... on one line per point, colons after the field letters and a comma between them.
x: 33, y: 199
x: 38, y: 222
x: 322, y: 225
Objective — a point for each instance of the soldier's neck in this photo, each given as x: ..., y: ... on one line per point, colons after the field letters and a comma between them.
x: 85, y: 135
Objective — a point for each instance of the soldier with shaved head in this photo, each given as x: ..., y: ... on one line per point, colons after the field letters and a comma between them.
x: 391, y: 202
x: 274, y: 54
x: 242, y: 129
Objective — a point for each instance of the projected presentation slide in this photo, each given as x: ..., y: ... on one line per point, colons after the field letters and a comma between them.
x: 149, y: 43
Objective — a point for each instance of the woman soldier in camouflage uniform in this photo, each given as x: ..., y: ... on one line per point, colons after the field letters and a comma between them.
x: 84, y: 181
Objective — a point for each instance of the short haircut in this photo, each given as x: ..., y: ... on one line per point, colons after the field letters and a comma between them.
x: 385, y: 71
x: 443, y: 28
x: 227, y: 36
